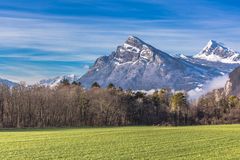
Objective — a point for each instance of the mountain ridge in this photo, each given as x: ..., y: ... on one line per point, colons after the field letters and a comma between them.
x: 135, y: 52
x: 138, y: 65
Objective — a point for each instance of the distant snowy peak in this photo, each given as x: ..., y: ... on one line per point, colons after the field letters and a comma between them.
x: 57, y: 80
x: 7, y: 83
x: 217, y: 52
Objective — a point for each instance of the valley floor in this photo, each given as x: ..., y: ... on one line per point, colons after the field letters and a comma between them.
x: 194, y: 142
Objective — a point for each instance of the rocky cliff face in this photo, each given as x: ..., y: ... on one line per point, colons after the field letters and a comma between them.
x: 232, y: 86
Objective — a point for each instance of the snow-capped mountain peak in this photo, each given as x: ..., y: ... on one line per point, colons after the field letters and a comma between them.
x: 218, y: 52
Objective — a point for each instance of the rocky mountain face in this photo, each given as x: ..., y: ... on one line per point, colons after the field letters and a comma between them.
x: 232, y: 86
x: 7, y: 83
x: 217, y: 52
x: 139, y: 66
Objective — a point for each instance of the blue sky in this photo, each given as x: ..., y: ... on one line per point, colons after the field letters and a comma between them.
x: 47, y: 38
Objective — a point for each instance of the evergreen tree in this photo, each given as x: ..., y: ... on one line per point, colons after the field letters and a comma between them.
x: 76, y: 83
x: 65, y: 82
x: 96, y: 85
x: 111, y: 86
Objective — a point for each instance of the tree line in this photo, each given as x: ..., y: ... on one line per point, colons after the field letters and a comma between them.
x: 70, y: 105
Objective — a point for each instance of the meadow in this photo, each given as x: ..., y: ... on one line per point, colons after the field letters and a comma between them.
x: 140, y: 142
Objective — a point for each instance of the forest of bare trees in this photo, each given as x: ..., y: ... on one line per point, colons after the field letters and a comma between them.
x: 69, y: 105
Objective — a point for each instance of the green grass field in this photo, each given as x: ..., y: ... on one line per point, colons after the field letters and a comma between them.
x: 197, y: 142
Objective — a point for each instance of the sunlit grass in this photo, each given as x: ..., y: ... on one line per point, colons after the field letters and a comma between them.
x: 196, y: 142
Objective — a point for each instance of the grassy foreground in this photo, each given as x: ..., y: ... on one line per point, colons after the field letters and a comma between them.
x: 197, y: 142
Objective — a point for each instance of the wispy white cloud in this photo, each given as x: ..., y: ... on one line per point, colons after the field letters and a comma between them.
x: 73, y: 34
x: 216, y: 83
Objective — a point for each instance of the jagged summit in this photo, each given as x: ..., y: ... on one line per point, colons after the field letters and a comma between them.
x: 215, y: 51
x: 134, y: 40
x: 213, y: 45
x: 132, y: 45
x: 135, y: 49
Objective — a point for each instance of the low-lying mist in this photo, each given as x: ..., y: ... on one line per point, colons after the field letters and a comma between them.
x: 215, y: 83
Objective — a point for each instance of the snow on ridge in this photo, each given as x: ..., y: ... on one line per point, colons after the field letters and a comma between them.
x: 183, y: 56
x: 216, y: 58
x: 53, y: 82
